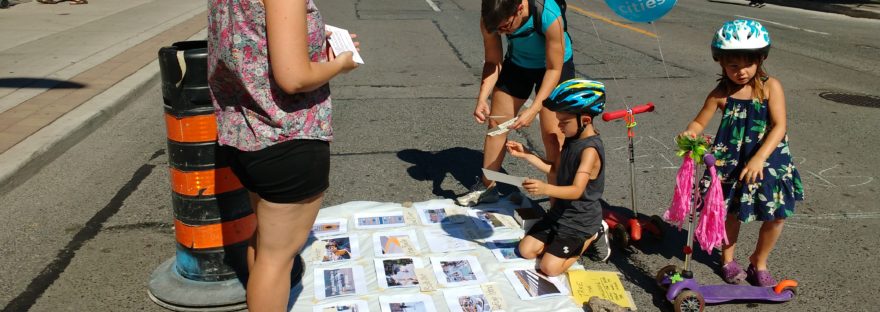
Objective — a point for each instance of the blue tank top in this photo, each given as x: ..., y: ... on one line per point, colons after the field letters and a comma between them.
x: 527, y: 47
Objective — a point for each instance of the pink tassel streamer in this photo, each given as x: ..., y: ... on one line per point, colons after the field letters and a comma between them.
x: 710, y: 230
x: 680, y: 207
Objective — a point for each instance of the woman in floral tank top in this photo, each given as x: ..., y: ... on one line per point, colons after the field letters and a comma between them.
x: 268, y: 71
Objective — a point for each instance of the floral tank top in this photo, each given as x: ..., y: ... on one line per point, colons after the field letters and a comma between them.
x: 252, y: 110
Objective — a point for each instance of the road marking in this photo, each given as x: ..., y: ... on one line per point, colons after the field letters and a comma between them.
x: 786, y: 26
x: 838, y: 216
x: 433, y: 5
x: 605, y: 19
x: 805, y: 226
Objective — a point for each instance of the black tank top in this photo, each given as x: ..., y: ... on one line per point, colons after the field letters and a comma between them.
x: 583, y: 215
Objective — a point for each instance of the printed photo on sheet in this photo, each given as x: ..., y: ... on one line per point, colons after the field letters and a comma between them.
x: 378, y: 220
x: 388, y: 244
x: 407, y: 303
x: 505, y: 250
x: 343, y: 306
x: 530, y: 285
x: 397, y: 272
x: 339, y: 248
x: 467, y: 299
x: 487, y: 218
x: 336, y: 282
x: 454, y: 271
x: 330, y: 226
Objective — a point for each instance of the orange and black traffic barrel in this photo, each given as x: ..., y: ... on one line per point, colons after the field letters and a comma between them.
x: 213, y: 219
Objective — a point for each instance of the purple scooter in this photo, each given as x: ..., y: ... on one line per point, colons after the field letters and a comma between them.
x: 686, y: 294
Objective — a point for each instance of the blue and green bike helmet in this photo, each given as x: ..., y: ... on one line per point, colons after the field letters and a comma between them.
x: 577, y: 96
x: 741, y: 36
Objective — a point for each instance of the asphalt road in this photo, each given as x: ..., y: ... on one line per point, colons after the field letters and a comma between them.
x: 85, y: 233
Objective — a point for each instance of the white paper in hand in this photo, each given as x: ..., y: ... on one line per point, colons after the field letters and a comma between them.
x: 503, y: 178
x: 340, y: 41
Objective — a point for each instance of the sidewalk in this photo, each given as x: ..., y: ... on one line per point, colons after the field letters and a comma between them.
x: 67, y: 68
x: 854, y: 8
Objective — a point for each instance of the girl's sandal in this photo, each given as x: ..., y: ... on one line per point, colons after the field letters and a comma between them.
x: 75, y: 2
x: 732, y: 273
x: 761, y: 278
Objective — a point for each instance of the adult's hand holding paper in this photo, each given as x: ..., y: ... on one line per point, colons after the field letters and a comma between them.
x: 503, y: 178
x: 340, y: 41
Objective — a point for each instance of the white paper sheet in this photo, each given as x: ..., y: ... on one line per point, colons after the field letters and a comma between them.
x: 338, y: 249
x: 328, y: 227
x: 344, y: 306
x: 505, y: 249
x: 503, y: 178
x: 452, y: 271
x: 448, y: 240
x: 397, y: 272
x: 467, y: 299
x: 387, y: 244
x: 502, y: 128
x: 531, y: 285
x: 378, y: 220
x: 340, y: 41
x: 407, y: 303
x: 337, y: 282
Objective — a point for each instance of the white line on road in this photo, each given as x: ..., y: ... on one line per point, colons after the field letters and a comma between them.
x: 433, y: 5
x: 786, y: 26
x: 838, y: 216
x: 805, y: 226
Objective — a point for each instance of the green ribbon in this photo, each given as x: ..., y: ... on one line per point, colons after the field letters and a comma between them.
x: 696, y: 146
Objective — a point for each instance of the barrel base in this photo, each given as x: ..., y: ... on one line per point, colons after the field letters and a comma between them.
x: 172, y: 291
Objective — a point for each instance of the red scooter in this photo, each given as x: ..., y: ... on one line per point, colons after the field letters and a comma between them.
x: 628, y: 229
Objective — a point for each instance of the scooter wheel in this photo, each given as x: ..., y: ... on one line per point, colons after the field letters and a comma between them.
x: 689, y: 301
x: 620, y: 236
x: 662, y: 274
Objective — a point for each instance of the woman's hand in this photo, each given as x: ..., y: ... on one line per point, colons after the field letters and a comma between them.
x: 535, y: 187
x: 347, y: 57
x: 481, y: 112
x: 753, y: 172
x: 516, y: 149
x: 525, y: 119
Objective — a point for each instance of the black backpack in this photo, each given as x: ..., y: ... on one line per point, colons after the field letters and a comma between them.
x: 536, y: 8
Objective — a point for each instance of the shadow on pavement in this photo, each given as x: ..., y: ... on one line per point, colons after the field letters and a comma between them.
x: 462, y: 163
x: 38, y: 83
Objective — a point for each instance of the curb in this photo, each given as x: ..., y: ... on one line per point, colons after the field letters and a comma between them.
x: 827, y: 7
x: 26, y: 158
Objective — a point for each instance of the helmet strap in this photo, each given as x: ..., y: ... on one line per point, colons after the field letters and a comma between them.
x: 581, y: 127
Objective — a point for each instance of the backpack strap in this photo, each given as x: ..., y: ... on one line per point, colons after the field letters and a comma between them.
x: 536, y: 8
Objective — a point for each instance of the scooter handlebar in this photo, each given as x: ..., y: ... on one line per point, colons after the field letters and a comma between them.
x: 609, y: 116
x: 709, y: 159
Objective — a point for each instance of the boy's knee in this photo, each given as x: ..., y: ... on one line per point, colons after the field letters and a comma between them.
x: 551, y: 270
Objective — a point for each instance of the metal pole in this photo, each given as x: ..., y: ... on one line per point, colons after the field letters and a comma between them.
x: 692, y: 217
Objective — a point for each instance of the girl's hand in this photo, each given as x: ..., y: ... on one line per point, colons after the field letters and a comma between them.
x: 535, y: 187
x: 525, y: 119
x: 753, y: 172
x: 481, y: 112
x: 688, y: 134
x: 516, y: 149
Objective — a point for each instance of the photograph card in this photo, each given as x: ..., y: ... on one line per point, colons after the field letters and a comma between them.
x: 329, y: 227
x: 452, y: 271
x: 448, y: 240
x: 492, y: 219
x: 335, y: 249
x: 531, y: 285
x: 344, y: 306
x: 337, y: 282
x: 407, y: 303
x: 397, y: 272
x: 505, y: 250
x: 378, y: 220
x: 394, y: 243
x: 432, y: 215
x: 467, y: 299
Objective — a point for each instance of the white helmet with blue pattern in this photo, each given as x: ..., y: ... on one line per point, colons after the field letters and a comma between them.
x: 741, y: 36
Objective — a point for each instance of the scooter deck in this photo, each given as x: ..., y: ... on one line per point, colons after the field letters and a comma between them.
x: 725, y: 293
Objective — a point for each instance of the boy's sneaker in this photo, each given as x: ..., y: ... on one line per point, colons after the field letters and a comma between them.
x: 600, y: 249
x: 478, y: 194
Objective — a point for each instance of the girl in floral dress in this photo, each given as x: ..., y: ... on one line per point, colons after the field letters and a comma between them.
x: 754, y: 163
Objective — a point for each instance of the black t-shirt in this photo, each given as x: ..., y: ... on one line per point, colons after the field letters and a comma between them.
x: 583, y: 215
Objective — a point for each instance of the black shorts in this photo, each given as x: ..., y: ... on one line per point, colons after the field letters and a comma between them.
x: 558, y: 240
x: 519, y: 82
x: 286, y: 172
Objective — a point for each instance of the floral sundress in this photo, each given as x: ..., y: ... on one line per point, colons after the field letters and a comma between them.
x: 744, y: 125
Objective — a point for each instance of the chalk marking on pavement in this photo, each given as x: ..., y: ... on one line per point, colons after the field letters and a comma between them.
x: 806, y: 226
x: 433, y: 5
x: 838, y: 216
x: 786, y: 26
x: 605, y: 19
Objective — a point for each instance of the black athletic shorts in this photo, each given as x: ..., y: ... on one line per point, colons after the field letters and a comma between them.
x: 519, y: 82
x: 559, y: 240
x: 286, y: 172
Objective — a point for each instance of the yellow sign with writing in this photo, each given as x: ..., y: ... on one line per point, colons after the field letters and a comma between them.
x: 605, y: 285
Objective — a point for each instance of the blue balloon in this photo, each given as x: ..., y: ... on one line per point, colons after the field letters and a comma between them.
x: 641, y: 11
